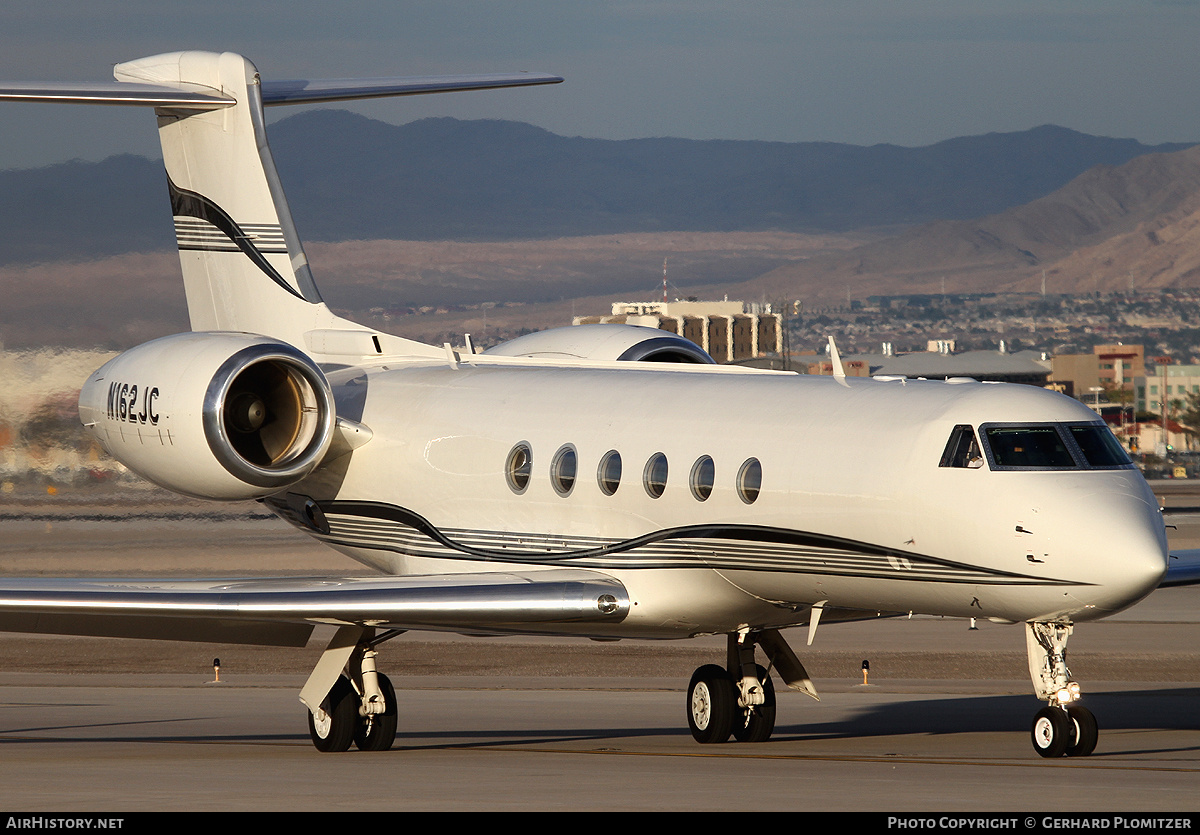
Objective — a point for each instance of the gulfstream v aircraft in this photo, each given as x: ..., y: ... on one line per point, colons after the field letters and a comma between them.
x: 603, y: 482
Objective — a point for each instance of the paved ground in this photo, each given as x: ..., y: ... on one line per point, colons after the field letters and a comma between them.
x: 119, y: 744
x: 91, y: 724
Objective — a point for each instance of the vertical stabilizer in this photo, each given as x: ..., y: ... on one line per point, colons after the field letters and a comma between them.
x: 243, y: 266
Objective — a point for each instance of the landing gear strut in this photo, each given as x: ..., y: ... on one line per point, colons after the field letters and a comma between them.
x: 1063, y: 727
x: 348, y: 700
x: 739, y: 699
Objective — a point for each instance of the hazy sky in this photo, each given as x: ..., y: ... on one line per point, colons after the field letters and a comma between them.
x: 909, y: 72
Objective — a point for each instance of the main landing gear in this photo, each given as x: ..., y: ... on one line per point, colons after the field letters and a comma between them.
x: 349, y: 701
x: 1064, y: 727
x: 739, y: 699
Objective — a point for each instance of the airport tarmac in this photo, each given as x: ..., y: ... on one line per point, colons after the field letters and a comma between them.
x: 545, y: 724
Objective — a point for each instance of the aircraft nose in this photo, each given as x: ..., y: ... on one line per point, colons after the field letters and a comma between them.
x: 1126, y: 549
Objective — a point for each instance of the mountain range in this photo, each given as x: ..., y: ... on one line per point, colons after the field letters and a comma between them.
x: 1135, y: 225
x: 525, y: 228
x: 352, y: 178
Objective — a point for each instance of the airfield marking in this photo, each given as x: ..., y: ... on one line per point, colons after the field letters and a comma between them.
x: 1095, y: 763
x: 1065, y: 762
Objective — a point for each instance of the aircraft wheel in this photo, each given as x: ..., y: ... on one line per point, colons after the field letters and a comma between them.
x: 1085, y: 731
x: 1051, y: 732
x: 712, y: 704
x: 762, y: 717
x: 378, y: 732
x: 334, y: 731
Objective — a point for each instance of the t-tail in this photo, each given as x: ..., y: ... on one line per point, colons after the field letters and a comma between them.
x: 244, y: 268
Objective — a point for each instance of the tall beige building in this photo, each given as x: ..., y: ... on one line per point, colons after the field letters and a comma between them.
x: 728, y: 331
x: 1110, y: 368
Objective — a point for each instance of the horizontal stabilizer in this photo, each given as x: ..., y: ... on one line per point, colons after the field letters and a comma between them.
x: 336, y: 89
x: 282, y: 611
x: 301, y: 91
x: 113, y: 92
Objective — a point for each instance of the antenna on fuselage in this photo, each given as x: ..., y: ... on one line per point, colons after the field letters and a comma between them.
x: 836, y: 359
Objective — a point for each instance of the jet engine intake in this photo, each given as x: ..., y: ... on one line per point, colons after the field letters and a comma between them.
x: 213, y: 415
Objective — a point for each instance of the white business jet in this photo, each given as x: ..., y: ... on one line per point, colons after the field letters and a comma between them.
x: 602, y: 482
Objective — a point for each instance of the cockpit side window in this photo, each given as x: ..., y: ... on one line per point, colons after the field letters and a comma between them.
x: 962, y: 450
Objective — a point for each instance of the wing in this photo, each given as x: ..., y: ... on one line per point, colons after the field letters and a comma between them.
x: 1183, y: 569
x: 283, y: 611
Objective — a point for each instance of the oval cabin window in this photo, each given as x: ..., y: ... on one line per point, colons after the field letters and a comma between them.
x: 562, y: 470
x: 519, y: 467
x: 749, y: 480
x: 703, y: 472
x: 609, y: 472
x: 654, y: 477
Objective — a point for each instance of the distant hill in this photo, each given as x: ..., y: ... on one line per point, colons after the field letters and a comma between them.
x: 353, y: 178
x: 1113, y: 226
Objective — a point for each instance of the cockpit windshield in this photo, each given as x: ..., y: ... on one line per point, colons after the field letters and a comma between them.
x: 1036, y: 446
x: 1028, y: 446
x: 1099, y: 446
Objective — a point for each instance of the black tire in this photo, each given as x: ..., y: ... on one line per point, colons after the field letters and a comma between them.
x: 341, y: 708
x: 1085, y: 731
x: 762, y: 717
x: 378, y: 732
x: 1051, y: 732
x: 711, y: 704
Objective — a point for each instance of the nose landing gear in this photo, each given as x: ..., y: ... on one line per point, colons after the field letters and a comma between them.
x: 1064, y: 727
x: 1070, y: 731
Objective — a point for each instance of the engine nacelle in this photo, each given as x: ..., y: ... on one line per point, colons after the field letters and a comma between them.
x: 604, y: 342
x: 212, y: 415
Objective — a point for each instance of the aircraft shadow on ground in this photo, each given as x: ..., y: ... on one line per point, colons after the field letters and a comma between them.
x: 1170, y: 710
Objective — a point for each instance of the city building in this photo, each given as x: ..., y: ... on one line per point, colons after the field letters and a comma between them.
x: 1170, y: 385
x: 1109, y: 368
x: 729, y: 331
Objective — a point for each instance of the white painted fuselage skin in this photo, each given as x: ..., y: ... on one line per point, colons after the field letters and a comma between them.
x: 854, y: 510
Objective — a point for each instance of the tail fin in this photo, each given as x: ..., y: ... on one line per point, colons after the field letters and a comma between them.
x: 244, y: 268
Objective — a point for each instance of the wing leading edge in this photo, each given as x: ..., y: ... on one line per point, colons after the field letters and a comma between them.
x: 1183, y: 569
x: 283, y: 611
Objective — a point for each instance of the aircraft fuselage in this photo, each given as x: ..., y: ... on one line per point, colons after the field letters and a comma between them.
x: 853, y: 508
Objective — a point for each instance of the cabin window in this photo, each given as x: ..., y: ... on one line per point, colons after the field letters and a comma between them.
x: 654, y: 477
x: 703, y: 472
x: 962, y: 450
x: 519, y: 467
x: 609, y: 472
x: 749, y: 480
x: 562, y: 470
